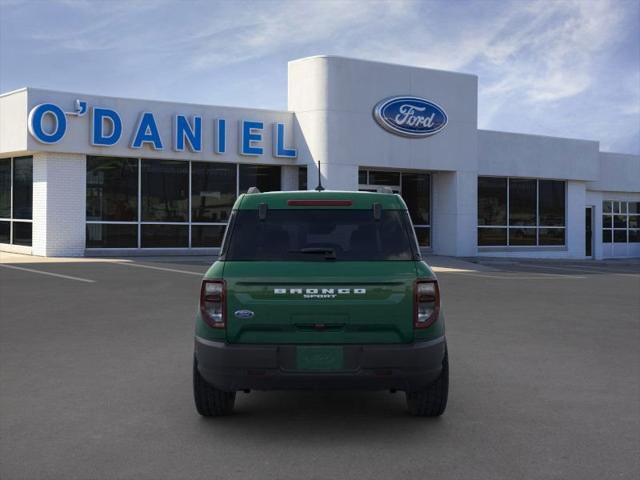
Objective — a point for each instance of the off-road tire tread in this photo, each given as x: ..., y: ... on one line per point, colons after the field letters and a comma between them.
x: 210, y: 402
x: 432, y: 401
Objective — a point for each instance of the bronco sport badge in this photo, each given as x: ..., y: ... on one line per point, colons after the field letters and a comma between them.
x: 319, y: 292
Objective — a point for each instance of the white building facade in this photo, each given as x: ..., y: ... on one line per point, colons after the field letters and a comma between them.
x: 94, y: 175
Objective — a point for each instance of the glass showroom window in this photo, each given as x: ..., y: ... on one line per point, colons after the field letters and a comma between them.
x: 620, y: 222
x: 213, y: 192
x: 164, y: 204
x: 267, y: 178
x: 143, y: 203
x: 416, y: 192
x: 112, y: 202
x: 302, y: 178
x: 415, y: 189
x: 520, y: 212
x: 16, y: 200
x: 492, y: 211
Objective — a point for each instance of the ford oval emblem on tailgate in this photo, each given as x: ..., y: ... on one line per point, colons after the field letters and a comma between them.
x: 244, y: 313
x: 410, y: 116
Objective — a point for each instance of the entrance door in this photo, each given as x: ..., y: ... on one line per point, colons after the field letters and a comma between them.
x: 415, y: 189
x: 588, y: 232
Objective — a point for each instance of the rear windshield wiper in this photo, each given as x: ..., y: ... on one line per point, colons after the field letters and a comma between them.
x: 329, y: 253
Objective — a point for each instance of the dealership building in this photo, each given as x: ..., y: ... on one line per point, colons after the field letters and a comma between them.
x: 94, y: 175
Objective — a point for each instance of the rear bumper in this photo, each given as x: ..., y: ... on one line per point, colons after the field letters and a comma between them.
x: 408, y: 367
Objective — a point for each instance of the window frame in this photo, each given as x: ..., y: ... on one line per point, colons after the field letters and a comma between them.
x: 146, y: 203
x: 11, y: 218
x: 538, y: 226
x: 616, y: 210
x: 190, y: 223
x: 93, y: 185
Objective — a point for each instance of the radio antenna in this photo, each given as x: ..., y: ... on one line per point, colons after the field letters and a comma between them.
x: 319, y: 188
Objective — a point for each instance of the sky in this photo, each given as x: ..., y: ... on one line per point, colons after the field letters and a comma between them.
x: 568, y: 68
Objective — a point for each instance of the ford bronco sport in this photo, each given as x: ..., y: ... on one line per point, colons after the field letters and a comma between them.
x: 320, y: 290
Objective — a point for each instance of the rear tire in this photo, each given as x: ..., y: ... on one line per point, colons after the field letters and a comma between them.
x: 432, y: 401
x: 210, y: 402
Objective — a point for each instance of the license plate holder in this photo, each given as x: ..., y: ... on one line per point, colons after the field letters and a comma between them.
x: 319, y: 357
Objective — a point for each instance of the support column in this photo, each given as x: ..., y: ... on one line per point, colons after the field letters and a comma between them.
x: 289, y: 177
x: 455, y: 213
x: 575, y: 221
x: 59, y: 204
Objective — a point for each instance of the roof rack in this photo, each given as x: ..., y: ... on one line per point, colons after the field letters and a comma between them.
x: 253, y: 190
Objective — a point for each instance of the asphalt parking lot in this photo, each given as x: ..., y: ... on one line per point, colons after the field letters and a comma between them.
x: 95, y: 382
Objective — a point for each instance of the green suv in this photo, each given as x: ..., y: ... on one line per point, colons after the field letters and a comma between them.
x: 320, y: 290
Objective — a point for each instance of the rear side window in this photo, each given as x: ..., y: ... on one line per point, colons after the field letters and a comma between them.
x: 319, y: 235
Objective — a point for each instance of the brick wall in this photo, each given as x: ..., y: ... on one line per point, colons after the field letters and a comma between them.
x: 59, y: 197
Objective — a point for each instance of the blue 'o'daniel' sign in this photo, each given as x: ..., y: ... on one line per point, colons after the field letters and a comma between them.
x: 410, y: 116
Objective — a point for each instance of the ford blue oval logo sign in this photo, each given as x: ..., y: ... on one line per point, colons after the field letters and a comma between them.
x: 244, y: 314
x: 410, y: 116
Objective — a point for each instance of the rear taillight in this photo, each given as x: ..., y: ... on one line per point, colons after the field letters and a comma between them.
x: 426, y: 303
x: 212, y: 303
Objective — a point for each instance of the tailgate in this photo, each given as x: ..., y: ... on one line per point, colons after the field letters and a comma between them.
x: 320, y: 302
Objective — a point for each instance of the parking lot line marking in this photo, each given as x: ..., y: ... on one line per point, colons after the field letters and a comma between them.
x: 579, y: 268
x: 450, y: 270
x: 535, y: 276
x: 604, y: 269
x: 164, y: 269
x: 554, y: 267
x: 58, y: 275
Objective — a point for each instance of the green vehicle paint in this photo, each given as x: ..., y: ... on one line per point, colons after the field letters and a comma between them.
x: 383, y: 315
x: 320, y: 290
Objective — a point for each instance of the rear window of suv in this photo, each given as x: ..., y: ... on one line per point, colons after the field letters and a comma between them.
x: 319, y: 235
